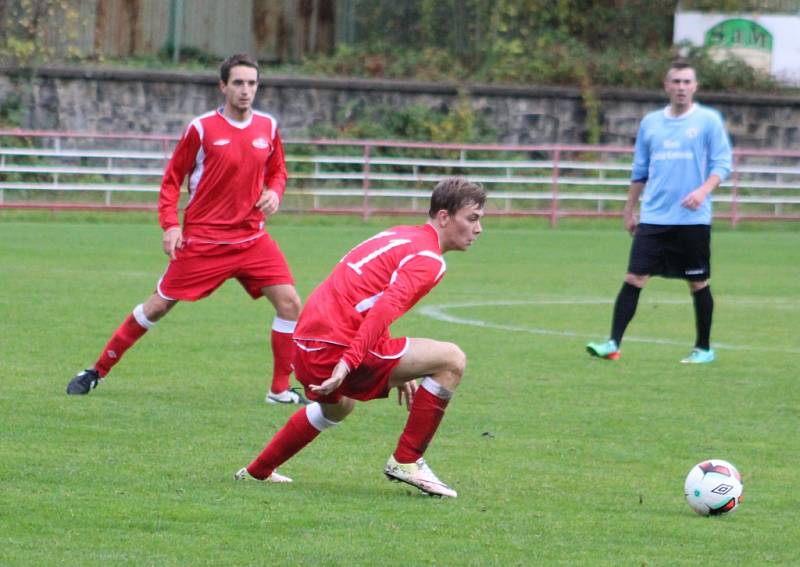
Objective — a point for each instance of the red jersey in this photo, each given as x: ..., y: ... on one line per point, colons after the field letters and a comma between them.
x: 371, y: 287
x: 229, y: 164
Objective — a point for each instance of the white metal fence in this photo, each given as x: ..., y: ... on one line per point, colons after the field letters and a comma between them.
x: 71, y: 170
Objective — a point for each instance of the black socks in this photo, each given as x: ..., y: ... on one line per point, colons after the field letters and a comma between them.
x: 624, y: 310
x: 703, y: 310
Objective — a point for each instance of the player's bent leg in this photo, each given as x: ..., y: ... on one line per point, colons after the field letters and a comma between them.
x: 442, y: 361
x: 287, y: 309
x: 442, y: 366
x: 142, y: 319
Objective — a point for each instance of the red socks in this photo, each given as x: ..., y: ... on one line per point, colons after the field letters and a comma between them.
x: 296, y: 434
x: 123, y: 338
x: 426, y: 413
x: 283, y: 355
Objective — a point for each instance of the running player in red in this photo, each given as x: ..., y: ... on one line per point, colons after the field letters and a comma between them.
x: 345, y: 352
x: 234, y: 159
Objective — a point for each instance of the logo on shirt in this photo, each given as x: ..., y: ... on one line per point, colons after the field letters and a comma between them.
x: 692, y: 133
x: 260, y: 143
x: 221, y: 142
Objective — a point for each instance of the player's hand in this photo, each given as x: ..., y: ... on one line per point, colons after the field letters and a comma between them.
x: 694, y: 199
x: 340, y: 372
x: 407, y: 391
x: 630, y: 221
x: 268, y: 202
x: 171, y: 241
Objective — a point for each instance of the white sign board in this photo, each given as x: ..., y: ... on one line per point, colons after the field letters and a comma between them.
x: 767, y: 42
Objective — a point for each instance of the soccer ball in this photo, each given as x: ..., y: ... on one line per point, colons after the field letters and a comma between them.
x: 713, y: 487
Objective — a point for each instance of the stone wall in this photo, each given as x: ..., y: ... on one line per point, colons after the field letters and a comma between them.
x: 101, y: 100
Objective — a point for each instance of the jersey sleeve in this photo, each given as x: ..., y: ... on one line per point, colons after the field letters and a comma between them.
x: 719, y: 150
x: 641, y: 157
x: 180, y: 165
x: 276, y: 167
x: 414, y: 280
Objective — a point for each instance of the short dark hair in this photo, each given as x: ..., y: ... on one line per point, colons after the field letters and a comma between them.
x: 454, y: 193
x: 233, y: 61
x: 679, y: 65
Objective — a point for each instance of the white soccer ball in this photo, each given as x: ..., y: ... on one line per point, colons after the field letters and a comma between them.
x: 713, y: 487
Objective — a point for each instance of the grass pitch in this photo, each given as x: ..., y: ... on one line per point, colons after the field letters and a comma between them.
x: 558, y: 458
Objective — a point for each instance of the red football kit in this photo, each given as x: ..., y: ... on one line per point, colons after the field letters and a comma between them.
x: 229, y: 164
x: 348, y: 316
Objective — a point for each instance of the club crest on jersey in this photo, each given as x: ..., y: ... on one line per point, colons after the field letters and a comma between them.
x: 261, y: 143
x: 692, y: 133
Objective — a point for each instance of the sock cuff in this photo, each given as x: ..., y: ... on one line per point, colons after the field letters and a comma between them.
x: 702, y: 290
x: 432, y: 386
x: 283, y: 325
x: 138, y: 314
x: 317, y: 419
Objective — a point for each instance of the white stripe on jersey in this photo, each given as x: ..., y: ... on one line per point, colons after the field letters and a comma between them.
x: 271, y: 119
x: 435, y: 256
x: 197, y: 172
x: 367, y: 303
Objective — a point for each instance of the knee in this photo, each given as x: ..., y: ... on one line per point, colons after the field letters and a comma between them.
x: 694, y: 286
x: 156, y: 307
x: 338, y: 411
x: 635, y: 280
x: 288, y: 306
x: 457, y: 360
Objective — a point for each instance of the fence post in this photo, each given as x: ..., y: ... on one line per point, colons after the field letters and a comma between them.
x: 735, y: 192
x: 365, y: 185
x: 554, y: 198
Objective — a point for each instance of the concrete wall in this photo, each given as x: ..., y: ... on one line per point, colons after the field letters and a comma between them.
x: 164, y: 102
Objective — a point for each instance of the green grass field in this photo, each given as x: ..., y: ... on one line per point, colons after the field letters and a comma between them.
x: 558, y: 458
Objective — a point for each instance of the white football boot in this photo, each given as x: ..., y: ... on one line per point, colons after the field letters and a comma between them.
x: 274, y: 477
x: 290, y: 396
x: 418, y: 474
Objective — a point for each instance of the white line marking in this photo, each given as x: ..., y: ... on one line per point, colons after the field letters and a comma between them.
x: 438, y: 312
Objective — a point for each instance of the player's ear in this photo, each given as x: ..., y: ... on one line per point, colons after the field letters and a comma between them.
x: 222, y: 85
x: 442, y: 216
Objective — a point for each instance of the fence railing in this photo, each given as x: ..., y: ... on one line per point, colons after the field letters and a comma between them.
x: 60, y: 170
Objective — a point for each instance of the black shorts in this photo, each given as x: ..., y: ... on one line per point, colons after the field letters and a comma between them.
x: 672, y: 251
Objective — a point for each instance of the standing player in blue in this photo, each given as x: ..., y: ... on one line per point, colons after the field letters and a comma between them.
x: 682, y: 154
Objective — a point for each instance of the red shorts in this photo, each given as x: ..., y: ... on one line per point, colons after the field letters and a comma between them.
x: 314, y: 362
x: 200, y: 268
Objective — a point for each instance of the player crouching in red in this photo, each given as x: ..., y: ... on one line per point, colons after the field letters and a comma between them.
x: 344, y: 350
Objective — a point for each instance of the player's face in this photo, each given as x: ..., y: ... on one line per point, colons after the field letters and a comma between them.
x: 240, y: 91
x: 460, y: 230
x: 681, y: 85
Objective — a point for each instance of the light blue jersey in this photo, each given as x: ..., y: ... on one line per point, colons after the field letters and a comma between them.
x: 675, y: 156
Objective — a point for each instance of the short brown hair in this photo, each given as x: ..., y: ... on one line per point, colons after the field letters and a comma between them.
x: 454, y: 193
x: 233, y: 61
x: 680, y: 65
